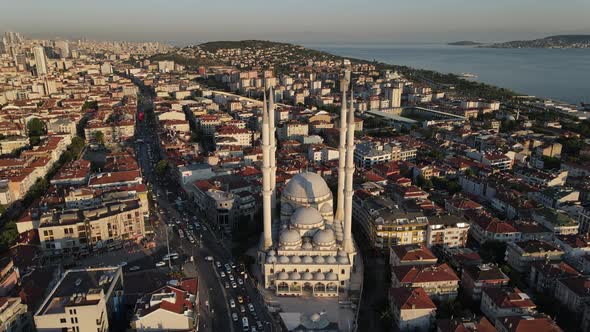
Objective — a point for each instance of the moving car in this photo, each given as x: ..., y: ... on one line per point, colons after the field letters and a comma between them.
x: 240, y: 299
x: 250, y: 307
x: 226, y: 284
x: 161, y: 263
x: 242, y: 308
x: 240, y: 281
x: 134, y: 268
x: 218, y: 263
x: 232, y: 303
x: 234, y: 285
x: 234, y: 316
x: 222, y: 274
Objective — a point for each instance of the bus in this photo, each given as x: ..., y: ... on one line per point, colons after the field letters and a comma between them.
x: 245, y: 325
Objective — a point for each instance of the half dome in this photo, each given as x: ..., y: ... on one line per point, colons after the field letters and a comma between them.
x: 324, y: 237
x: 283, y: 276
x: 306, y: 217
x: 307, y: 276
x: 290, y: 237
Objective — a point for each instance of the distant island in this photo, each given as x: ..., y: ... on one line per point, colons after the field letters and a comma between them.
x: 560, y: 41
x: 465, y: 43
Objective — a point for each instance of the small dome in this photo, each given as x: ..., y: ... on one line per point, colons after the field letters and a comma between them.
x: 307, y: 246
x: 283, y: 276
x: 296, y: 259
x: 326, y: 208
x: 307, y: 276
x: 331, y: 276
x: 319, y: 260
x: 272, y: 252
x: 324, y: 237
x: 307, y: 260
x: 307, y: 187
x: 294, y: 276
x: 319, y: 276
x: 342, y: 260
x: 290, y: 237
x: 306, y: 217
x: 331, y: 260
x: 342, y: 253
x: 271, y: 259
x: 283, y: 259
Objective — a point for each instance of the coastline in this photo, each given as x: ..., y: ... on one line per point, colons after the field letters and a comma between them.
x: 519, y: 71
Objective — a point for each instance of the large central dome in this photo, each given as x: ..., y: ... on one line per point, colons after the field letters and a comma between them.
x: 307, y: 187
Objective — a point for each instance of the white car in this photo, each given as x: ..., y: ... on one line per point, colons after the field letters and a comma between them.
x: 234, y: 285
x: 232, y: 303
x: 234, y: 316
x: 218, y: 264
x: 231, y: 277
x: 134, y: 268
x: 209, y: 258
x: 240, y: 281
x: 250, y: 307
x: 222, y: 274
x: 160, y: 264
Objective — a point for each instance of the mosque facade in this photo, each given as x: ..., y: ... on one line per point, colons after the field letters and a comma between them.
x: 307, y: 249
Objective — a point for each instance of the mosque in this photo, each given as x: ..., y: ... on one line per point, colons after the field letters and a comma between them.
x: 306, y: 249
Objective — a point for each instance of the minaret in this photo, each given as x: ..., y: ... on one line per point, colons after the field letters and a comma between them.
x: 349, y: 170
x: 266, y: 175
x: 341, y: 160
x: 273, y: 150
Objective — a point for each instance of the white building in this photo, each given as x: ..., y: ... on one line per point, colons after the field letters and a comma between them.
x: 40, y: 60
x: 82, y: 301
x: 306, y: 249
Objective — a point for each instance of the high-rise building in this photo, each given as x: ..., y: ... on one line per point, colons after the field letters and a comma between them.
x: 40, y: 60
x: 394, y: 95
x: 106, y: 68
x: 62, y: 47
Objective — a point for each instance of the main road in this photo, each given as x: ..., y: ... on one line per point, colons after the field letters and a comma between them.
x: 215, y: 287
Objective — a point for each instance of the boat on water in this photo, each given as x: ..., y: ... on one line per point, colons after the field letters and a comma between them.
x: 467, y: 75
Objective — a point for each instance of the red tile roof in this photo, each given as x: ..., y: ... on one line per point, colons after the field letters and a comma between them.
x: 427, y: 273
x: 409, y: 298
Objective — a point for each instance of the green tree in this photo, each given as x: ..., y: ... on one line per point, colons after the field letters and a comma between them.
x: 551, y: 162
x: 99, y: 137
x: 8, y: 235
x: 161, y: 167
x: 36, y: 127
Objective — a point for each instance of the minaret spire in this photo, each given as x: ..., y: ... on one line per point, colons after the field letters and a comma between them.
x: 341, y: 160
x: 273, y: 150
x: 348, y: 185
x: 266, y: 174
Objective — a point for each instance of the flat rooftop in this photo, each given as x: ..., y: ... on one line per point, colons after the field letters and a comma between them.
x: 77, y: 287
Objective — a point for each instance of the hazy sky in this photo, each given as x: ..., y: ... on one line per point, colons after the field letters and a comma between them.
x: 307, y: 21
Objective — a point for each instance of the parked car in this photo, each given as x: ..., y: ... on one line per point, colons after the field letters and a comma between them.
x: 134, y: 268
x: 232, y: 303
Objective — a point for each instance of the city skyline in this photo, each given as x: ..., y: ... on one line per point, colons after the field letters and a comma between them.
x: 327, y: 22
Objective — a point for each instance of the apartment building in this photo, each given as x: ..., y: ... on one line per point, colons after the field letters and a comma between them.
x: 520, y: 255
x: 83, y: 300
x: 438, y: 281
x: 173, y: 307
x: 385, y: 225
x: 501, y: 302
x: 449, y: 230
x: 412, y: 309
x: 411, y: 254
x: 14, y: 316
x: 475, y: 279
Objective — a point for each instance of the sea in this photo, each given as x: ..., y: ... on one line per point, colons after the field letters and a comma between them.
x: 559, y: 74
